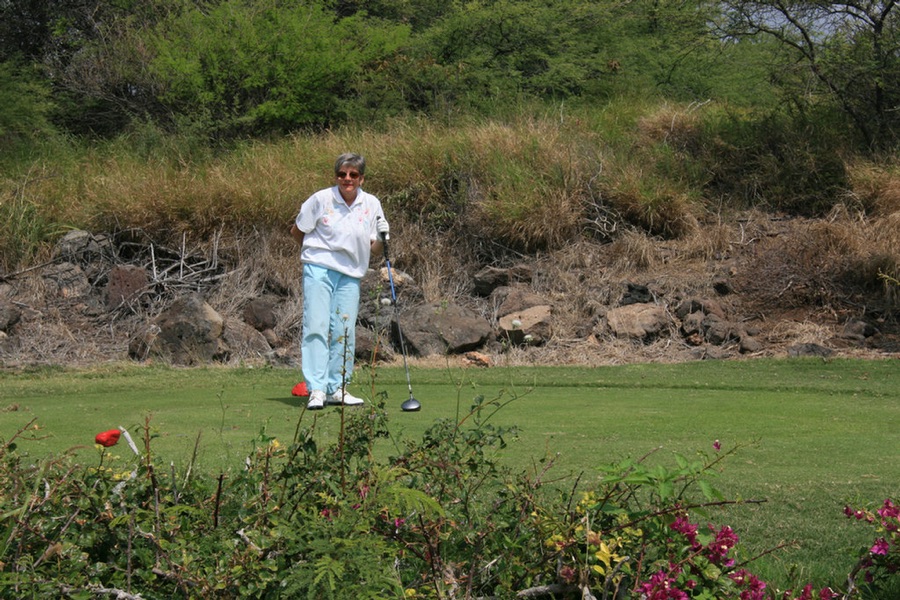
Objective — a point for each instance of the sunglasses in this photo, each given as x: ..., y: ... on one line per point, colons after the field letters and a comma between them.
x: 351, y: 174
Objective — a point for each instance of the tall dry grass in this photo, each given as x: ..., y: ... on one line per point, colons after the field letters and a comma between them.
x: 459, y: 193
x: 828, y: 262
x: 524, y: 179
x: 875, y: 186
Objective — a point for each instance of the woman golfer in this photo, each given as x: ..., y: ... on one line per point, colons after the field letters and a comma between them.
x: 338, y: 229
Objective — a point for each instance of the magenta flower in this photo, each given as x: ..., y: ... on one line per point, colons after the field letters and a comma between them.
x: 717, y: 446
x: 858, y: 514
x: 739, y: 576
x: 661, y: 586
x: 890, y: 516
x: 687, y: 529
x: 881, y: 547
x: 827, y: 594
x: 754, y: 586
x: 718, y: 549
x: 889, y: 511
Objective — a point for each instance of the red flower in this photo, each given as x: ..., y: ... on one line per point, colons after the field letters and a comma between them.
x: 108, y: 438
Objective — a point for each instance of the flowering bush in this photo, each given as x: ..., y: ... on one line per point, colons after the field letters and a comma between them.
x: 880, y: 562
x: 442, y: 519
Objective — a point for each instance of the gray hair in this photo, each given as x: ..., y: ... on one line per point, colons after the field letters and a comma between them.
x: 354, y: 160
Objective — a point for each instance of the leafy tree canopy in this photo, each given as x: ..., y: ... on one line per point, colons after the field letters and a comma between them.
x: 238, y: 67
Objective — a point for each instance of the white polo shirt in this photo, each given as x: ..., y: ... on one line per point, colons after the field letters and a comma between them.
x: 338, y: 236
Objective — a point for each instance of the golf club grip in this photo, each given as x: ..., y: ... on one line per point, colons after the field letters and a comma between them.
x: 384, y: 242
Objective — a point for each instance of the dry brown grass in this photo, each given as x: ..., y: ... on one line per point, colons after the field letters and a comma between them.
x: 676, y: 125
x: 788, y: 333
x: 441, y: 268
x: 825, y: 263
x: 634, y: 252
x: 874, y: 187
x: 709, y: 242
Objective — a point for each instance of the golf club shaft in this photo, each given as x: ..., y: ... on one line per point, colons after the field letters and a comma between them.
x: 387, y: 261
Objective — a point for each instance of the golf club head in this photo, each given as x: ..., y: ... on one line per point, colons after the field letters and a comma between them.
x: 410, y: 405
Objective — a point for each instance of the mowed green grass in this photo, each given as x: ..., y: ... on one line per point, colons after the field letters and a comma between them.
x: 812, y: 434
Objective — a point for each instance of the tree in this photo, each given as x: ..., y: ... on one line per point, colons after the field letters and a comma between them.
x: 89, y: 54
x: 850, y: 48
x: 24, y: 102
x: 253, y: 67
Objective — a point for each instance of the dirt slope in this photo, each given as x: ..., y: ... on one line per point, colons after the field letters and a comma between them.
x: 793, y: 285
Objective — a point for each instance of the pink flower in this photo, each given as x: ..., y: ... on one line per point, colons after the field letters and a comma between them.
x: 754, y: 586
x: 859, y: 514
x: 889, y: 511
x: 687, y: 529
x: 890, y: 516
x: 881, y: 547
x: 717, y: 446
x: 739, y: 576
x: 661, y: 586
x: 827, y: 594
x: 718, y: 549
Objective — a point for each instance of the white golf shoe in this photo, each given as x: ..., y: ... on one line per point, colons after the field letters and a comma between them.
x: 316, y: 400
x: 343, y: 397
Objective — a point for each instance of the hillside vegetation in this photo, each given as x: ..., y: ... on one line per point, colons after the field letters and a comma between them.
x: 601, y: 142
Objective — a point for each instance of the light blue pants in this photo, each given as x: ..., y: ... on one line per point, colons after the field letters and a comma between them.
x: 330, y: 306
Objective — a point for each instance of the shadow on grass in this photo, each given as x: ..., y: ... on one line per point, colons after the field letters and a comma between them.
x: 293, y: 401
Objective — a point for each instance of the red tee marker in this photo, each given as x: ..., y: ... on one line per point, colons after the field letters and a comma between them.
x: 300, y: 389
x: 108, y: 438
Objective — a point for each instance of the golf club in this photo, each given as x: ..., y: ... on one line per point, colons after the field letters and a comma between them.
x: 411, y: 404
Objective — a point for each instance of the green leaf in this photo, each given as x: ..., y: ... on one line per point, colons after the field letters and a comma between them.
x: 666, y: 490
x: 709, y: 492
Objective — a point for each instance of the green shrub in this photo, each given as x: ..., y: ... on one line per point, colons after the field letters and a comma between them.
x: 265, y: 67
x: 774, y: 163
x: 24, y: 104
